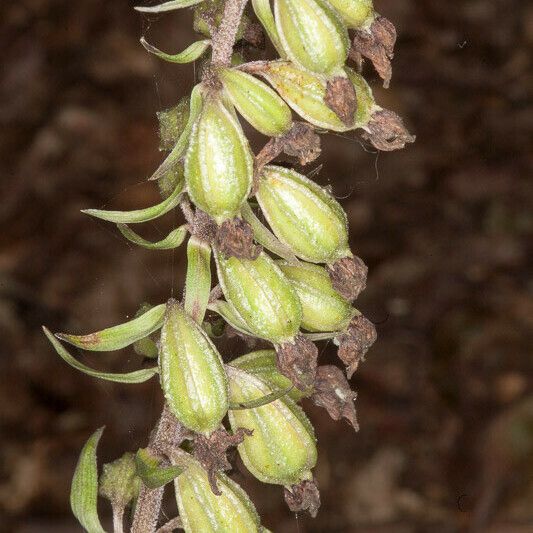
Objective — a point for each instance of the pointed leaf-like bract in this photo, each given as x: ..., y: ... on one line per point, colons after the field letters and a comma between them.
x: 305, y: 92
x: 190, y: 54
x: 357, y: 14
x: 152, y: 474
x: 84, y: 488
x: 137, y: 376
x: 324, y: 309
x: 282, y: 448
x: 218, y: 164
x: 261, y: 296
x: 262, y: 364
x: 139, y: 215
x: 192, y: 375
x: 167, y: 6
x: 202, y: 511
x: 257, y: 102
x: 303, y: 215
x: 264, y: 13
x: 230, y: 315
x: 312, y: 34
x: 366, y: 104
x: 118, y: 337
x: 171, y: 241
x: 198, y: 278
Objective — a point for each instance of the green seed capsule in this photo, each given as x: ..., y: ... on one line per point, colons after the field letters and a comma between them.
x: 257, y: 102
x: 312, y: 34
x: 202, y: 511
x: 305, y: 92
x: 324, y: 309
x: 262, y: 364
x: 218, y: 163
x: 282, y: 448
x: 191, y: 371
x: 357, y: 14
x: 303, y: 215
x: 366, y: 104
x: 261, y: 296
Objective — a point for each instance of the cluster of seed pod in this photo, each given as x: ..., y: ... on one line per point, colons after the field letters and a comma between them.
x: 288, y: 285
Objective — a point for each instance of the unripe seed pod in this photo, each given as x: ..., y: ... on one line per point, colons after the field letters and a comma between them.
x: 366, y: 104
x: 202, y: 511
x: 282, y: 448
x: 306, y: 94
x: 357, y: 14
x: 262, y: 364
x: 261, y: 296
x: 303, y: 215
x: 218, y: 163
x: 192, y: 375
x: 257, y: 102
x: 324, y: 309
x: 312, y: 34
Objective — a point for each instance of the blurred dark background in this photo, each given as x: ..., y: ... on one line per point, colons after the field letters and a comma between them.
x: 445, y: 398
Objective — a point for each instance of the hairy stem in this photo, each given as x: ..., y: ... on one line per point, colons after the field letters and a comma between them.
x: 118, y: 517
x: 167, y: 434
x: 224, y: 38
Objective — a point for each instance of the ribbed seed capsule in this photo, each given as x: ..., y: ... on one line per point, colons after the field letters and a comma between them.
x: 204, y: 512
x: 366, y: 104
x: 218, y: 163
x: 262, y: 364
x: 324, y: 309
x: 356, y: 14
x: 261, y: 296
x: 282, y: 448
x: 303, y: 215
x: 257, y: 102
x: 312, y: 34
x: 192, y: 375
x: 305, y: 92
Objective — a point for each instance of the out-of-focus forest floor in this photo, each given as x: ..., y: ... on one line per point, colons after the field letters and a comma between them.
x: 446, y: 226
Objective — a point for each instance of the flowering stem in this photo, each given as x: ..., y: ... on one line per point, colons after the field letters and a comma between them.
x: 224, y: 38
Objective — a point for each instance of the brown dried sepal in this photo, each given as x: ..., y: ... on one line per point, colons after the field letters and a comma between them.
x: 333, y: 392
x: 387, y: 131
x: 298, y: 361
x: 211, y: 452
x: 340, y: 98
x: 348, y: 276
x: 254, y: 35
x: 377, y: 44
x: 303, y: 497
x: 235, y: 238
x: 355, y: 342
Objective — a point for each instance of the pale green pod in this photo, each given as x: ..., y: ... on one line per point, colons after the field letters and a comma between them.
x: 218, y: 163
x: 192, y: 375
x: 366, y: 105
x: 357, y: 14
x: 261, y: 296
x: 282, y: 449
x: 324, y: 309
x: 303, y: 215
x: 262, y: 363
x: 202, y: 511
x: 257, y: 102
x: 305, y: 92
x: 312, y: 34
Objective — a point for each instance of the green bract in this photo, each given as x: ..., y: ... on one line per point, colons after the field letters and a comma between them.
x: 303, y: 215
x: 261, y: 296
x: 365, y: 99
x: 282, y: 448
x: 312, y: 34
x: 192, y: 375
x: 204, y: 512
x: 356, y: 14
x: 324, y: 309
x: 257, y: 102
x: 218, y: 163
x: 262, y: 364
x: 305, y: 92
